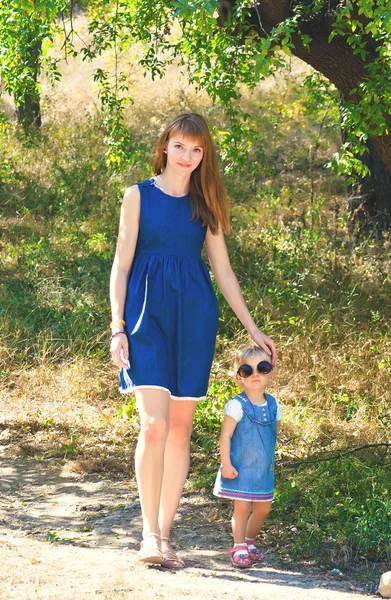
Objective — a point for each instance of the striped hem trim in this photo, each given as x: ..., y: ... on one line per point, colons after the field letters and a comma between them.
x: 245, y: 497
x: 158, y: 387
x: 190, y: 398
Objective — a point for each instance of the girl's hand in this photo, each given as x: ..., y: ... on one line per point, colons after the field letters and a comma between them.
x: 229, y: 472
x: 119, y: 349
x: 264, y: 342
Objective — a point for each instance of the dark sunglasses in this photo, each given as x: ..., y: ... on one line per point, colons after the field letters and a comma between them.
x: 263, y: 367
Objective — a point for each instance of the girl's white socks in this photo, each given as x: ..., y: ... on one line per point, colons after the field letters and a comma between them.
x: 250, y: 546
x: 241, y: 544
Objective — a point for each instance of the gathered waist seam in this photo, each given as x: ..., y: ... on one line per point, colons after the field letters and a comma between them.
x: 153, y: 253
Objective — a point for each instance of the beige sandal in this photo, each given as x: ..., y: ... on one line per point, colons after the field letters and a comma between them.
x: 170, y: 559
x: 150, y: 553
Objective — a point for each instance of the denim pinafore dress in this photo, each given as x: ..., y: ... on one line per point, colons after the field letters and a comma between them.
x: 252, y: 453
x: 171, y: 310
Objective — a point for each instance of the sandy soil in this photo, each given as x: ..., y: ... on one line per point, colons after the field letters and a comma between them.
x: 73, y: 536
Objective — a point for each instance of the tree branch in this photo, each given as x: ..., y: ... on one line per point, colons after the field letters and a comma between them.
x: 340, y: 454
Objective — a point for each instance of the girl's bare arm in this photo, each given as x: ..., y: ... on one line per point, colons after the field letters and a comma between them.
x: 227, y: 429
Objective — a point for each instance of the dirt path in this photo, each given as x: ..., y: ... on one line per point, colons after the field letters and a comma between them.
x: 71, y: 536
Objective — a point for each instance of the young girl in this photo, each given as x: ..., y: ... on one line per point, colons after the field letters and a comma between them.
x: 165, y: 314
x: 247, y: 441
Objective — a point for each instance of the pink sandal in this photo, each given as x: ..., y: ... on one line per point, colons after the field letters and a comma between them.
x: 254, y: 552
x: 240, y: 557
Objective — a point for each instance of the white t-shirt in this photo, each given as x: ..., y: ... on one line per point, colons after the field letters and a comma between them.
x: 233, y: 408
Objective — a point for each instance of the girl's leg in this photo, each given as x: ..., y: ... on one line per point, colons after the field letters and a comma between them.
x: 240, y: 518
x: 239, y: 553
x: 257, y: 518
x: 154, y: 409
x: 255, y: 522
x: 176, y: 461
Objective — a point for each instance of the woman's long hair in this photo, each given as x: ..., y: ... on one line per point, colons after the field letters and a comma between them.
x: 208, y: 198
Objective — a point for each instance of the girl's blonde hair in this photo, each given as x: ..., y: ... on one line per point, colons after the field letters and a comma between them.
x: 208, y: 198
x: 244, y: 353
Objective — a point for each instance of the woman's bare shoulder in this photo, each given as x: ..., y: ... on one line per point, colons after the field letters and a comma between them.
x: 131, y: 195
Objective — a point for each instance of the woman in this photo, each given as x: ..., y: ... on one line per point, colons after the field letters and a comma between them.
x: 165, y: 315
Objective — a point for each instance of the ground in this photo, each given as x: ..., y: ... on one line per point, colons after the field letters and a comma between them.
x: 73, y: 536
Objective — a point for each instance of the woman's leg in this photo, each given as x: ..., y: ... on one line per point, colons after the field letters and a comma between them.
x: 257, y: 518
x: 176, y: 461
x: 154, y: 409
x: 240, y: 518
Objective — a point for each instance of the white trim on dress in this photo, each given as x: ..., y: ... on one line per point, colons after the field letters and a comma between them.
x: 159, y: 387
x: 244, y: 499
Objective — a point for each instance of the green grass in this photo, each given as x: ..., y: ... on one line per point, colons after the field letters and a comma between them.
x: 322, y: 295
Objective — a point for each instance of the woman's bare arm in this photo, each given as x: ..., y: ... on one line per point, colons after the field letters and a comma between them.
x: 126, y: 245
x: 229, y: 286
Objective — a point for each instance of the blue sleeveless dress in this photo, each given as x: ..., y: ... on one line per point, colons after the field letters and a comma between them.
x: 252, y: 453
x: 171, y: 310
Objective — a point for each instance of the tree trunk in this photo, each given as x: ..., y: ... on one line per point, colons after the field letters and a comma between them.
x: 29, y: 108
x: 370, y: 200
x: 29, y: 112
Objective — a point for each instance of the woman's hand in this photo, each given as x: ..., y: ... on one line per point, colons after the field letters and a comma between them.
x: 229, y: 472
x: 119, y: 348
x: 264, y: 342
